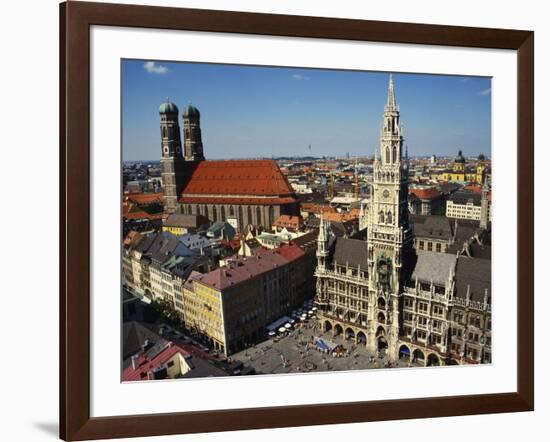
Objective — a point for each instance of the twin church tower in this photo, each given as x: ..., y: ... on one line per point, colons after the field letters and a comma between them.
x: 177, y: 163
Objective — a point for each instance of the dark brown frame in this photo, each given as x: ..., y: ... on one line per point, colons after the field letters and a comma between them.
x: 75, y: 21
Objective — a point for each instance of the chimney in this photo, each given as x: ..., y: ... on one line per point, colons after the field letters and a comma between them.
x: 145, y: 345
x: 135, y: 364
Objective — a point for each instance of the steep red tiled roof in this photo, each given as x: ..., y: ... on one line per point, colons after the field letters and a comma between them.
x: 316, y: 208
x: 243, y: 268
x: 289, y: 221
x: 228, y: 200
x: 341, y: 217
x: 144, y: 198
x: 145, y: 365
x: 473, y: 188
x: 425, y: 194
x: 290, y: 252
x: 238, y: 177
x: 140, y: 214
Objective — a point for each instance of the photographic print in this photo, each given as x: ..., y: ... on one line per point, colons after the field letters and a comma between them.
x: 282, y: 220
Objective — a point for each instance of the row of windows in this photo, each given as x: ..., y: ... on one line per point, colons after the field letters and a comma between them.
x: 429, y: 246
x: 204, y: 210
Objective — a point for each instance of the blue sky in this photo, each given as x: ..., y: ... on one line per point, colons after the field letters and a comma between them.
x: 250, y: 111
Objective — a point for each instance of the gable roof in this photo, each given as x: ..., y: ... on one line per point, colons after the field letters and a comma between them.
x: 134, y: 335
x: 433, y: 267
x: 238, y: 177
x: 183, y: 220
x: 352, y: 252
x: 429, y: 193
x: 474, y: 273
x: 241, y: 269
x: 289, y: 221
x: 431, y: 226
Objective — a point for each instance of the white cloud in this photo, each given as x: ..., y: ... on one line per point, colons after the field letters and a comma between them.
x: 299, y: 77
x: 485, y: 91
x: 154, y: 68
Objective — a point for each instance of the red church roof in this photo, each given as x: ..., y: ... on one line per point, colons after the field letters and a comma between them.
x: 237, y: 178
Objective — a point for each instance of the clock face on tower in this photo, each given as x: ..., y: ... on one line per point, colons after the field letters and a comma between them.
x: 386, y: 193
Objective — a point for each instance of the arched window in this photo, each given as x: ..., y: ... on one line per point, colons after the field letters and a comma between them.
x: 164, y: 133
x: 387, y: 154
x: 394, y: 154
x: 381, y: 216
x: 249, y: 215
x: 189, y: 211
x: 271, y: 215
x: 206, y: 211
x: 231, y: 211
x: 389, y: 217
x: 223, y: 214
x: 241, y: 222
x: 258, y: 216
x: 214, y: 214
x: 198, y: 210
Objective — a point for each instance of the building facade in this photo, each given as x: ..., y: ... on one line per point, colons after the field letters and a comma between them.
x: 470, y: 205
x: 460, y: 172
x: 231, y: 306
x: 427, y: 307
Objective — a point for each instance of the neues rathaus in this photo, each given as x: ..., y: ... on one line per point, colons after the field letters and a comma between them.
x: 424, y: 306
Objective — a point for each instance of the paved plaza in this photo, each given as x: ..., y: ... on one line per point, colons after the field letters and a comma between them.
x: 296, y: 352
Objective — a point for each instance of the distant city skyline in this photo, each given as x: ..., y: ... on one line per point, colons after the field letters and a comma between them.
x: 251, y: 111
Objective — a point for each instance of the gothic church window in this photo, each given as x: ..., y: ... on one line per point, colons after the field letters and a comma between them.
x: 258, y: 216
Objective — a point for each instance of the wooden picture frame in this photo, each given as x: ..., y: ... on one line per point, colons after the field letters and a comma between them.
x: 75, y: 21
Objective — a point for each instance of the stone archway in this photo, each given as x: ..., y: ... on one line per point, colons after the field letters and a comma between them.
x: 361, y: 338
x: 338, y: 330
x: 350, y: 333
x: 404, y: 353
x: 381, y: 317
x: 327, y: 326
x: 382, y: 343
x: 418, y: 356
x: 380, y: 331
x: 432, y: 360
x: 381, y: 302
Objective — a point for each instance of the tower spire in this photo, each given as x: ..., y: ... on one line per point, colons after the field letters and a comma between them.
x: 391, y: 95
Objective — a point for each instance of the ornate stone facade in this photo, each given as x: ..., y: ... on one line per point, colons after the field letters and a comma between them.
x: 428, y: 307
